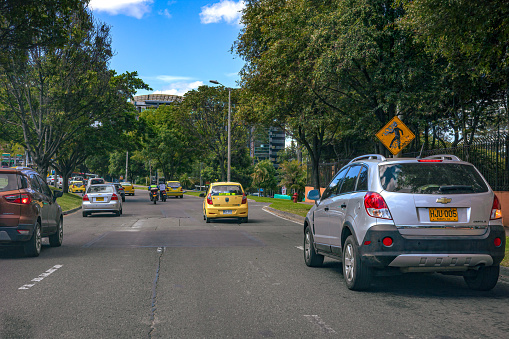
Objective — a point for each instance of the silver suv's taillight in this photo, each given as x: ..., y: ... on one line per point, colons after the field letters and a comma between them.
x: 376, y: 207
x: 496, y: 209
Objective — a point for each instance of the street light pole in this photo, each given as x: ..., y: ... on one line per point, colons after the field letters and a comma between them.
x: 229, y: 128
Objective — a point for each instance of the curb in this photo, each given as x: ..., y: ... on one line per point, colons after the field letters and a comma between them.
x: 285, y: 215
x: 71, y: 211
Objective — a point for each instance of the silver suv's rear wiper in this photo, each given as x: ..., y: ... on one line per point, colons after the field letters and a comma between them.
x: 456, y: 188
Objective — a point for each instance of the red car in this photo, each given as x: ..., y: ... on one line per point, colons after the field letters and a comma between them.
x: 28, y: 211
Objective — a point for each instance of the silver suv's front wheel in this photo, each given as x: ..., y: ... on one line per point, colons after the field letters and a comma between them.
x: 311, y: 258
x: 357, y: 275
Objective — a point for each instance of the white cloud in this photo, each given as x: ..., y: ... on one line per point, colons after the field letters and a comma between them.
x: 166, y: 13
x: 134, y: 8
x: 170, y: 78
x: 179, y: 88
x: 227, y: 10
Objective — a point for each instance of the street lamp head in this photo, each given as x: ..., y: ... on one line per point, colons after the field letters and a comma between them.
x: 215, y: 82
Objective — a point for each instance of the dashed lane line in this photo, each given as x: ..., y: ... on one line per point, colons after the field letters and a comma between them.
x: 40, y: 277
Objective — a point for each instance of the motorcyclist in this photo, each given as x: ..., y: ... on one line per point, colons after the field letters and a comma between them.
x: 162, y: 188
x: 153, y: 185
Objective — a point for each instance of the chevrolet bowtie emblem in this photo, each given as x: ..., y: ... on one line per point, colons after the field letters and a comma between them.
x: 444, y: 200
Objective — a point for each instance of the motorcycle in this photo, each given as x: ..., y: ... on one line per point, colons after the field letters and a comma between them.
x: 153, y: 195
x: 163, y: 195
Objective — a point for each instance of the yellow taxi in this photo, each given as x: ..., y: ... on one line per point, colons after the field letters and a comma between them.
x: 225, y: 200
x: 174, y: 189
x: 77, y: 187
x: 128, y: 188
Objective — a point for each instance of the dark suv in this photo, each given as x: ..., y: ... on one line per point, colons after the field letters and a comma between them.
x: 28, y: 211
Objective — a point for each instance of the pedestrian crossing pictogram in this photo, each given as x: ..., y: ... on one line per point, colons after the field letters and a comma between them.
x: 395, y: 135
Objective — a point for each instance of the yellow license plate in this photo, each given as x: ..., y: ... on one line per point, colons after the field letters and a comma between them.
x: 99, y: 199
x: 443, y: 214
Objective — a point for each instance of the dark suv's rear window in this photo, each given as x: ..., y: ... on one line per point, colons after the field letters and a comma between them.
x: 226, y: 190
x: 8, y: 182
x: 431, y: 178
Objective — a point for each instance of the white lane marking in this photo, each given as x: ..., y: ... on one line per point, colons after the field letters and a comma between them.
x: 316, y: 320
x: 300, y: 248
x: 40, y: 277
x: 299, y: 223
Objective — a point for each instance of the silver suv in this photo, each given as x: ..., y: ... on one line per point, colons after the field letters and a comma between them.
x: 378, y: 215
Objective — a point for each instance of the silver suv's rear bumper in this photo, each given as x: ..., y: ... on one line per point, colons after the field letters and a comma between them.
x: 440, y: 262
x: 433, y: 253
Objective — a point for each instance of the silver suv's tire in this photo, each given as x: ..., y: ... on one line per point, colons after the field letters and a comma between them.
x: 484, y: 279
x: 357, y: 275
x: 311, y: 258
x: 33, y: 246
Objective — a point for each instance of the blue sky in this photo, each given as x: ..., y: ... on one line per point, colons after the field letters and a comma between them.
x: 174, y: 45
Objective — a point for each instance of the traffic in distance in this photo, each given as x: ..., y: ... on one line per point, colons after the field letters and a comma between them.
x: 378, y: 216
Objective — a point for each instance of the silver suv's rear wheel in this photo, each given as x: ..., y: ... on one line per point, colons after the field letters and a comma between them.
x: 311, y: 258
x: 484, y: 279
x: 357, y: 275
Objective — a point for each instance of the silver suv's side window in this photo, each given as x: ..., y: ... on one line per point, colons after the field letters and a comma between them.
x: 350, y: 179
x: 362, y: 182
x: 334, y: 185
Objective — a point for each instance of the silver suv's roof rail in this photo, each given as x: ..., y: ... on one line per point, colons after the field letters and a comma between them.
x: 444, y: 157
x: 369, y: 157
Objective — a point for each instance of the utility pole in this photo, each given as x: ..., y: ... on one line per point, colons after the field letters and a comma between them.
x: 126, y: 164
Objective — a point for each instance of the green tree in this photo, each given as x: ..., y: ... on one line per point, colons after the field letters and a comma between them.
x: 293, y: 176
x: 50, y: 92
x: 170, y: 147
x: 204, y: 113
x: 265, y: 175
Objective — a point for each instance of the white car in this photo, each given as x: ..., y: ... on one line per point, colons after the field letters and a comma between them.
x: 102, y: 199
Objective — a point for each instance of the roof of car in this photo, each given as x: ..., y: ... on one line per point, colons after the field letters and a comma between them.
x: 380, y: 158
x: 225, y: 183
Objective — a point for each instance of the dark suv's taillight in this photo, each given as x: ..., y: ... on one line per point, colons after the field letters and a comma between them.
x: 22, y: 198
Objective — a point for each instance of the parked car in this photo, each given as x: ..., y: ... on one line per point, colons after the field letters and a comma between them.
x: 379, y: 216
x: 174, y: 189
x: 102, y: 198
x: 77, y: 187
x: 28, y: 211
x: 128, y: 188
x: 95, y: 181
x: 225, y: 200
x: 120, y: 190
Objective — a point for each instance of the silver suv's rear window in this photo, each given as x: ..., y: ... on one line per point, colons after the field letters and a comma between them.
x: 431, y: 178
x: 8, y: 182
x: 226, y: 190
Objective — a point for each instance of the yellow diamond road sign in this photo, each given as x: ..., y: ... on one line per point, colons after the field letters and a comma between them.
x: 395, y: 135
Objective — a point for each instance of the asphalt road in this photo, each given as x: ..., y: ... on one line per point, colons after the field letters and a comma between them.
x: 159, y: 271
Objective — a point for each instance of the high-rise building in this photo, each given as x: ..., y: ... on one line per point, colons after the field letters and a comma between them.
x: 266, y: 143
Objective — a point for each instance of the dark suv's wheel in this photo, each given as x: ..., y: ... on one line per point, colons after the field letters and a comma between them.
x: 33, y: 246
x: 484, y: 279
x: 55, y: 240
x: 311, y: 258
x: 357, y: 275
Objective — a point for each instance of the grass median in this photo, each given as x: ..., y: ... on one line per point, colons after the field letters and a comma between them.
x: 69, y: 201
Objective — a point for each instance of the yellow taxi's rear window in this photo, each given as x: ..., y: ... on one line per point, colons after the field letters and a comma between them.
x: 226, y: 190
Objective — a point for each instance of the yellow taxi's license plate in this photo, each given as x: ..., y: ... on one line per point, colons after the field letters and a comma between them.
x: 227, y: 212
x: 99, y: 199
x: 443, y: 214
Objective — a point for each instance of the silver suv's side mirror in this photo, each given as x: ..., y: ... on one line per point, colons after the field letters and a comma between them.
x: 314, y: 195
